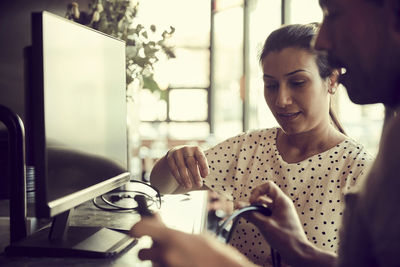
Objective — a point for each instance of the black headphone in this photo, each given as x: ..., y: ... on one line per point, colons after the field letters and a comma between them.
x: 234, y: 218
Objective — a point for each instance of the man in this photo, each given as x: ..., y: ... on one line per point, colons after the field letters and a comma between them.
x: 362, y: 37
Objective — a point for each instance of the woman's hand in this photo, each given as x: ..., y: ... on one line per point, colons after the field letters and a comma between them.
x: 174, y: 248
x: 188, y: 165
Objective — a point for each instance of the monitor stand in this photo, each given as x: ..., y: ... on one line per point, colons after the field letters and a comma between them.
x: 61, y: 240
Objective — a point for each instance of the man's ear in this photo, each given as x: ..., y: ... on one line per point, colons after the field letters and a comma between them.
x: 333, y: 81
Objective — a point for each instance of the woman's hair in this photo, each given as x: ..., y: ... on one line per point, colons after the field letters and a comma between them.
x: 300, y: 36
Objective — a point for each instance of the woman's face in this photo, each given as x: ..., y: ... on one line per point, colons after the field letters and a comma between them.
x: 294, y: 90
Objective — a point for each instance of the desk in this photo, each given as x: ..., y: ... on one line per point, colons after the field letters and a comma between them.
x: 182, y: 212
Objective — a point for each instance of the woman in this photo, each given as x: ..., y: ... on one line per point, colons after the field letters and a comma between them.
x: 308, y: 156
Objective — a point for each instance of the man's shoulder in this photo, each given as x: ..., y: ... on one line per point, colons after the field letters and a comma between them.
x: 390, y: 140
x: 384, y: 176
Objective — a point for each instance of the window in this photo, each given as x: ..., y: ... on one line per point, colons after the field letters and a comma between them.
x: 215, y: 83
x: 362, y: 123
x: 183, y: 113
x: 227, y: 64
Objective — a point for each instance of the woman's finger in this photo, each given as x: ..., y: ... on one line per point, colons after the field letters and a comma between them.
x: 202, y: 162
x: 182, y: 168
x: 192, y: 165
x: 174, y: 169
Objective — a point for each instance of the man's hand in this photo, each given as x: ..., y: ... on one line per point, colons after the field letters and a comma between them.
x: 174, y: 248
x: 284, y: 219
x: 283, y: 229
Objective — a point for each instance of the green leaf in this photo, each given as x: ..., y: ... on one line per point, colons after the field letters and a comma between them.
x: 149, y: 52
x: 140, y: 61
x: 150, y: 83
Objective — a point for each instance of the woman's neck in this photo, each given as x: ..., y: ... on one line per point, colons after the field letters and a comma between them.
x: 297, y: 147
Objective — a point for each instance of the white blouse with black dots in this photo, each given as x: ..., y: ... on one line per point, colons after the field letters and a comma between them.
x: 316, y: 185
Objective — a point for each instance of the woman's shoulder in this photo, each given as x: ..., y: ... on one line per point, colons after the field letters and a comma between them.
x: 356, y: 148
x: 355, y: 158
x: 355, y: 161
x: 259, y: 136
x: 254, y: 136
x: 262, y: 133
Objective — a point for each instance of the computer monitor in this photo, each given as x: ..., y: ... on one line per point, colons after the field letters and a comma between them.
x: 77, y: 129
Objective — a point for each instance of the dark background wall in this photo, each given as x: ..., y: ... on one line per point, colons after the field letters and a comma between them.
x: 15, y: 26
x: 15, y: 34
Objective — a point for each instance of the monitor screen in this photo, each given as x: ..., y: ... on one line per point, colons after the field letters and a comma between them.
x: 78, y: 113
x: 77, y: 132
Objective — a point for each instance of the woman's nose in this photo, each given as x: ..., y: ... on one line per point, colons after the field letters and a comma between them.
x: 283, y: 97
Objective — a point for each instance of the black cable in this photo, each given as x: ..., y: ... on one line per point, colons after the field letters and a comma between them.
x: 152, y: 187
x: 117, y: 196
x: 234, y: 218
x: 97, y: 205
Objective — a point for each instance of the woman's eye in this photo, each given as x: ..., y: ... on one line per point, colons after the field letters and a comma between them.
x: 272, y: 86
x: 297, y: 83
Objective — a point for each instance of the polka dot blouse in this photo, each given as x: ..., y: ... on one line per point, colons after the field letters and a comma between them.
x: 316, y: 185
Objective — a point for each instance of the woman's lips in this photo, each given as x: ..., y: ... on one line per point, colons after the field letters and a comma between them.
x: 289, y: 115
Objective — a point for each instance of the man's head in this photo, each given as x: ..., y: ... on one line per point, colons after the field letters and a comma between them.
x: 363, y: 36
